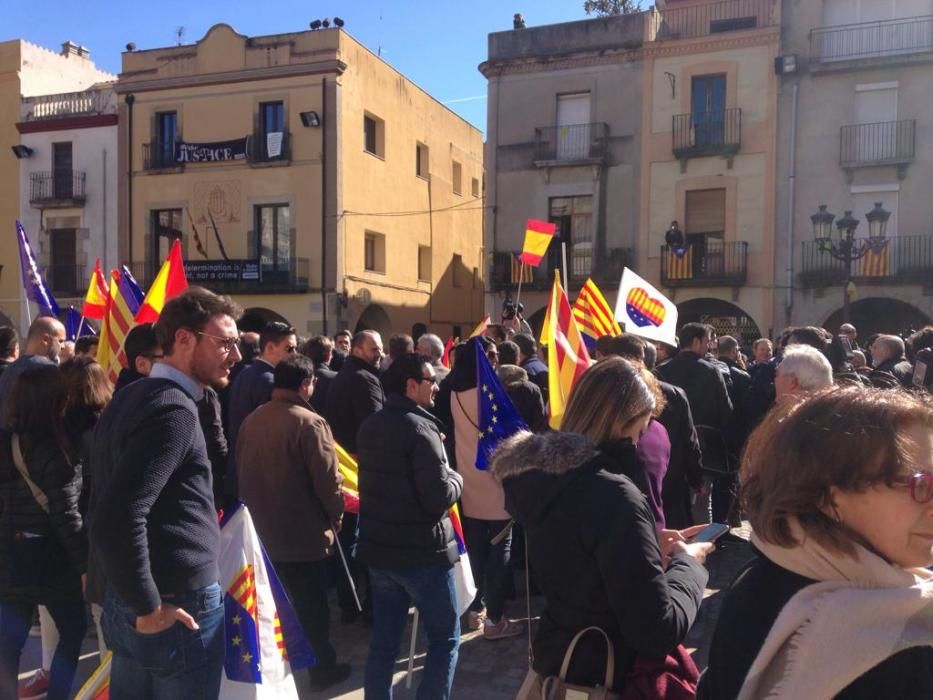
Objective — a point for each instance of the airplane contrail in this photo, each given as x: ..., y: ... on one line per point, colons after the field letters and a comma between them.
x: 474, y: 98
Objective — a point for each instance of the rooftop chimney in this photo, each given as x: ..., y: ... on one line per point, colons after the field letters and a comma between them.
x: 69, y: 48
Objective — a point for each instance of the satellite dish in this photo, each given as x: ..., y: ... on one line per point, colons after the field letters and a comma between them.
x: 365, y: 296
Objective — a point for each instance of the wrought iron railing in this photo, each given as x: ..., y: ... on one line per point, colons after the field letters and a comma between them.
x: 713, y: 18
x: 572, y: 142
x: 67, y: 280
x: 583, y: 261
x: 896, y: 260
x: 65, y: 187
x: 707, y: 133
x: 891, y: 37
x: 882, y: 143
x: 714, y: 263
x: 265, y: 148
x: 159, y: 155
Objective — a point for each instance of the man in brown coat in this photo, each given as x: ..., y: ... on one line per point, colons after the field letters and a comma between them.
x: 288, y: 478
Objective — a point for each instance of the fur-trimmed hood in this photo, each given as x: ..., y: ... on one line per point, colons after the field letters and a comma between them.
x: 552, y: 453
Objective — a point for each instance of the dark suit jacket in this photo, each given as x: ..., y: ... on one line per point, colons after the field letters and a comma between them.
x: 354, y: 395
x: 685, y: 469
x: 252, y: 388
x: 325, y: 375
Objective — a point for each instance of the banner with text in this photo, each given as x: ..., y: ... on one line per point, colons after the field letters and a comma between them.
x: 210, y: 152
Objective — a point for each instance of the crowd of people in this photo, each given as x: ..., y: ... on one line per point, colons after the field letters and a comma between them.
x: 109, y: 502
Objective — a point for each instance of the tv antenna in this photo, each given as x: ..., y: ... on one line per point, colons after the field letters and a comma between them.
x: 179, y: 36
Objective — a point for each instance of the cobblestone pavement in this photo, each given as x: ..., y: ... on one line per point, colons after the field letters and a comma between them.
x: 487, y: 670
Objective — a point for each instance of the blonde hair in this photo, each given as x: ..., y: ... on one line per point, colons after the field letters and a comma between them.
x: 610, y: 395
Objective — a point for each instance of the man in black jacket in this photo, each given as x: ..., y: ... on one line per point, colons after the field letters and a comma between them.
x: 320, y: 350
x: 890, y: 368
x: 9, y: 347
x: 710, y: 404
x: 153, y: 524
x: 406, y: 537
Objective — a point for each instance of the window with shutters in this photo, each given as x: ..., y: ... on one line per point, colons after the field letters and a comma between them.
x: 457, y: 178
x: 374, y: 252
x: 373, y: 135
x: 574, y: 219
x: 705, y: 229
x: 424, y: 263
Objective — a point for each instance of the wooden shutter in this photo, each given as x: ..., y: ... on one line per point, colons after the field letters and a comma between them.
x: 706, y: 211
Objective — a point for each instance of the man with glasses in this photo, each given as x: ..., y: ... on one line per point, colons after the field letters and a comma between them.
x: 153, y: 524
x: 253, y: 388
x: 406, y: 537
x: 43, y: 347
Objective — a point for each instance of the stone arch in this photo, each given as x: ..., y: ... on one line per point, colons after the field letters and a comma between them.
x: 255, y: 319
x: 879, y: 315
x: 724, y: 316
x: 374, y: 318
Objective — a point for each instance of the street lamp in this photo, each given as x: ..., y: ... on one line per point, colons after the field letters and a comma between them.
x: 847, y: 249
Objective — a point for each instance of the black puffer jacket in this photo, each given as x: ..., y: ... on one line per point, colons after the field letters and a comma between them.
x: 406, y: 488
x: 594, y: 551
x: 60, y: 479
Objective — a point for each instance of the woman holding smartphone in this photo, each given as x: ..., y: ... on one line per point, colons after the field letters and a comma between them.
x: 592, y: 540
x: 839, y: 492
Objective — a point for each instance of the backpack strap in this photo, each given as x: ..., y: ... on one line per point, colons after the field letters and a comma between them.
x: 20, y: 463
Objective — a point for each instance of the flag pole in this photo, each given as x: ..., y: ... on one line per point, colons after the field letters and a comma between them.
x: 80, y: 326
x: 521, y: 276
x: 411, y: 649
x: 346, y: 569
x: 563, y: 251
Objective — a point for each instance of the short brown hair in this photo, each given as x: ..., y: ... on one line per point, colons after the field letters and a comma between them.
x: 317, y: 349
x: 87, y: 384
x: 192, y: 309
x: 611, y: 393
x: 850, y: 438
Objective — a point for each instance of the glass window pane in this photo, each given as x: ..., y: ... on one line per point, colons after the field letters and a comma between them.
x: 561, y: 206
x: 266, y: 235
x: 283, y: 237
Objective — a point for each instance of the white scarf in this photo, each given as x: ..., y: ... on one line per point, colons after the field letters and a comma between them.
x: 863, y: 611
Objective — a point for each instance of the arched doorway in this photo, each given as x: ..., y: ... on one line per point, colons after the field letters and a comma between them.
x: 374, y: 318
x: 255, y: 319
x: 725, y: 317
x: 879, y: 315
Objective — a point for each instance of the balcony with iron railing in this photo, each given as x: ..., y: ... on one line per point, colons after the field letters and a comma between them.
x: 270, y: 147
x: 895, y: 260
x: 605, y: 268
x: 875, y: 41
x: 571, y: 143
x: 714, y: 264
x: 881, y: 143
x: 248, y: 276
x: 160, y: 156
x: 712, y: 18
x: 699, y: 134
x: 57, y: 190
x: 67, y: 280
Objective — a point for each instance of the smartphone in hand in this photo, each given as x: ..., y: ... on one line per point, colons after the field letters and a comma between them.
x: 711, y: 532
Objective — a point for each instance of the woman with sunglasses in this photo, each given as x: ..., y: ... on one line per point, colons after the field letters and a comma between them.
x: 838, y: 602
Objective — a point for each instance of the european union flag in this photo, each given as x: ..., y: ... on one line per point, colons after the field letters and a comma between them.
x: 131, y: 291
x: 498, y: 417
x: 35, y: 286
x: 75, y: 325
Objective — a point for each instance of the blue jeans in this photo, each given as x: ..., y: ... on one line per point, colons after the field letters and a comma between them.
x: 175, y: 664
x: 433, y: 592
x: 490, y: 564
x: 15, y: 621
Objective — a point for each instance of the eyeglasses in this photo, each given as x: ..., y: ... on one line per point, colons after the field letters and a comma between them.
x: 432, y: 380
x: 225, y: 343
x: 291, y: 349
x: 151, y: 356
x: 921, y: 486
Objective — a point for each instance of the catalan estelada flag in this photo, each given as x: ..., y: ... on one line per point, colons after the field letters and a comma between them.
x: 593, y: 315
x: 877, y: 260
x: 350, y: 472
x: 95, y: 301
x: 123, y: 302
x: 538, y: 235
x: 170, y: 282
x: 679, y: 262
x: 566, y: 352
x: 520, y: 272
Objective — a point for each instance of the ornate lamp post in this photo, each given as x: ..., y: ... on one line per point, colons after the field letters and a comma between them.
x: 845, y: 247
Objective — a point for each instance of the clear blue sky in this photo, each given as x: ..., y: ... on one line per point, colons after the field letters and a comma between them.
x: 436, y: 44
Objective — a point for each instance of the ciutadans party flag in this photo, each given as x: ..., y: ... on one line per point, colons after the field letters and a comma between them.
x: 263, y: 640
x: 567, y: 355
x: 95, y: 301
x: 170, y: 282
x: 644, y: 311
x: 593, y: 315
x: 538, y: 235
x: 498, y: 417
x: 34, y: 284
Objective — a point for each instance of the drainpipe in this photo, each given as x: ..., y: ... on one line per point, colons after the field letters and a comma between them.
x: 324, y: 204
x: 129, y: 99
x: 791, y: 206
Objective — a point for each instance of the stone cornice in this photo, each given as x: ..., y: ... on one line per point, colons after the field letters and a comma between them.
x: 89, y: 121
x: 140, y: 82
x: 657, y: 49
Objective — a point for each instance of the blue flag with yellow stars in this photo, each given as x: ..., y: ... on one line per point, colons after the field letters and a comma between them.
x: 498, y: 417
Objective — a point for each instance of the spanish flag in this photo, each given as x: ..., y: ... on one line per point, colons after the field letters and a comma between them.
x: 350, y: 472
x: 481, y: 327
x: 566, y: 352
x: 593, y: 315
x: 538, y: 235
x: 170, y: 282
x: 95, y: 301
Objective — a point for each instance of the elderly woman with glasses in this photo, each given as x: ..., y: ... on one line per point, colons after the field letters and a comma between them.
x: 838, y: 602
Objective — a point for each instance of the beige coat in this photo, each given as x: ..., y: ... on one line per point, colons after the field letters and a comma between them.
x: 482, y: 497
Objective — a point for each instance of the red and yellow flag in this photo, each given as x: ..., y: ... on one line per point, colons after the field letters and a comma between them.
x: 566, y: 352
x: 118, y: 320
x: 593, y: 314
x: 170, y: 282
x: 538, y: 235
x: 95, y: 301
x: 350, y: 472
x: 481, y: 328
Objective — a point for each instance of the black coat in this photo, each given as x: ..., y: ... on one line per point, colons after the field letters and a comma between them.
x: 685, y: 468
x: 252, y: 388
x: 749, y: 610
x: 59, y: 477
x: 325, y: 376
x: 593, y: 548
x: 525, y: 395
x: 354, y: 395
x: 406, y: 489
